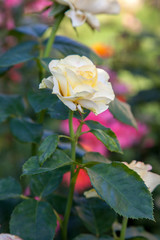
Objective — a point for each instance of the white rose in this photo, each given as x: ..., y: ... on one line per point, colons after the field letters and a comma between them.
x: 84, y: 10
x: 151, y: 180
x: 79, y: 84
x: 5, y: 236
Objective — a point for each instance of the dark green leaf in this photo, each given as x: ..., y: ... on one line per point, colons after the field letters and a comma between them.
x: 35, y: 30
x: 3, y: 70
x: 33, y: 220
x: 122, y: 189
x: 146, y: 96
x: 59, y: 111
x: 45, y: 62
x: 80, y: 115
x: 96, y: 215
x: 42, y: 99
x: 91, y: 237
x: 47, y: 148
x: 11, y: 105
x: 94, y: 157
x: 57, y: 9
x: 9, y: 188
x: 25, y: 130
x: 21, y: 53
x: 122, y: 112
x: 68, y: 46
x: 58, y: 202
x: 45, y: 183
x: 58, y: 160
x: 105, y: 135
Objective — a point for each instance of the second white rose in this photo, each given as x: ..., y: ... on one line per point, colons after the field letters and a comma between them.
x: 79, y: 84
x: 85, y: 10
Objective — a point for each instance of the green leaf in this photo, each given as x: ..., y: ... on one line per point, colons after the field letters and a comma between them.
x: 47, y: 148
x: 91, y: 157
x: 146, y: 96
x: 20, y: 53
x: 96, y: 215
x: 11, y: 105
x: 59, y: 111
x: 42, y: 99
x: 122, y: 112
x: 45, y: 183
x: 81, y: 116
x: 33, y: 220
x: 25, y: 130
x: 45, y: 62
x: 58, y: 202
x: 122, y: 189
x: 58, y: 160
x: 9, y: 188
x: 91, y: 237
x: 3, y: 70
x: 57, y: 9
x: 35, y: 30
x: 68, y: 46
x: 105, y: 135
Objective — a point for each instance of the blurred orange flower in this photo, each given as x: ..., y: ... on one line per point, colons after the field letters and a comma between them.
x: 103, y: 50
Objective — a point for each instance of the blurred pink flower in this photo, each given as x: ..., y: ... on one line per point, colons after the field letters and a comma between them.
x: 82, y: 183
x: 37, y: 198
x: 12, y: 3
x: 27, y: 191
x: 37, y: 5
x: 14, y: 75
x: 127, y: 135
x: 6, y: 16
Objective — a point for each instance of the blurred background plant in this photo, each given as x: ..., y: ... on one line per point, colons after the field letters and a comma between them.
x: 129, y: 45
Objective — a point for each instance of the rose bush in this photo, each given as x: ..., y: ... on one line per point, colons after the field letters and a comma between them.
x: 151, y: 180
x: 79, y: 84
x: 83, y: 11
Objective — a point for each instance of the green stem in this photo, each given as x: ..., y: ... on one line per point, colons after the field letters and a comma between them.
x: 73, y: 178
x: 24, y: 197
x: 123, y: 230
x: 57, y: 22
x: 41, y: 70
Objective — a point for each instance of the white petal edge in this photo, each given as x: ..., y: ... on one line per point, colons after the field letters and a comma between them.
x: 102, y: 75
x: 78, y: 18
x: 93, y: 21
x: 47, y: 83
x: 69, y: 104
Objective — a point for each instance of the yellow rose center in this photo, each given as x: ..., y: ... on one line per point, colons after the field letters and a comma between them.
x: 89, y: 78
x: 86, y: 74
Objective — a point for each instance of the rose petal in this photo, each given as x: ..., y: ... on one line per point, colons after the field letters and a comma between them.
x: 76, y: 61
x: 62, y: 83
x: 89, y: 105
x: 77, y: 17
x: 104, y: 90
x: 92, y: 21
x: 98, y: 6
x: 102, y: 75
x: 68, y: 103
x: 4, y: 236
x: 47, y: 83
x: 152, y: 180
